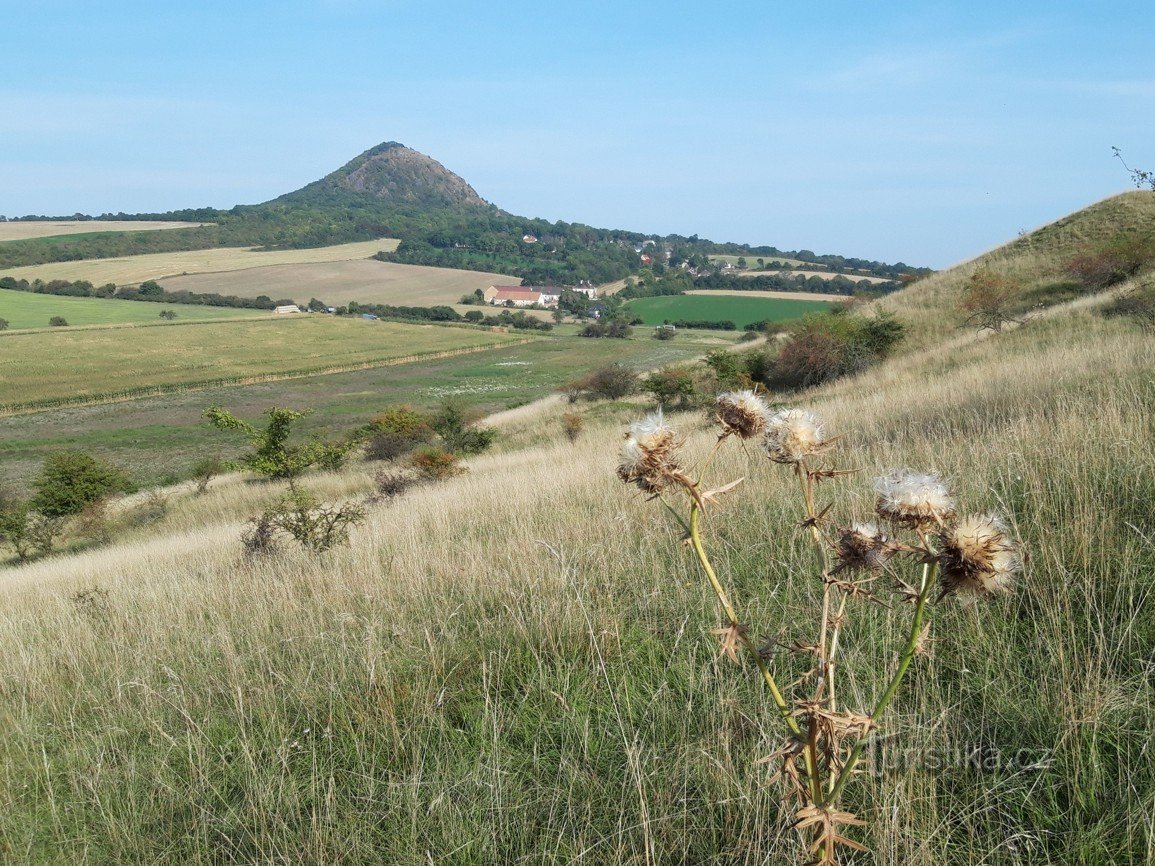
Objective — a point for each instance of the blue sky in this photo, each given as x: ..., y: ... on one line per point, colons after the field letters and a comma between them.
x: 922, y: 132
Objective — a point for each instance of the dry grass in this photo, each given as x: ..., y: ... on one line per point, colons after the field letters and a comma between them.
x: 338, y: 282
x: 19, y: 231
x: 157, y: 266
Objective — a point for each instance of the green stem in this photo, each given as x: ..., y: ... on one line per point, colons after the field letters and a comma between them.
x: 908, y: 654
x: 764, y: 669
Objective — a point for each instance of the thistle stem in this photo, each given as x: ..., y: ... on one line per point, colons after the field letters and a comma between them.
x: 763, y: 668
x: 908, y: 653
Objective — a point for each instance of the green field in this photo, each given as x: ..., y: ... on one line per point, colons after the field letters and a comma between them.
x: 29, y: 310
x: 740, y: 311
x: 59, y: 366
x: 161, y: 437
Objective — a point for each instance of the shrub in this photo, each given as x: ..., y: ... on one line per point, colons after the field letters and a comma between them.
x: 664, y: 333
x: 206, y: 470
x: 572, y: 424
x: 71, y: 480
x: 260, y: 537
x: 314, y: 526
x: 58, y: 322
x: 93, y: 522
x: 3, y: 324
x: 1137, y: 305
x: 436, y: 464
x: 457, y: 428
x: 272, y: 456
x: 615, y: 328
x: 671, y: 386
x: 392, y: 483
x: 828, y: 346
x: 1112, y: 262
x: 612, y: 382
x: 167, y: 315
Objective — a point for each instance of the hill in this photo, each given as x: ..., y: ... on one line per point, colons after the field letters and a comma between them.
x: 390, y: 174
x: 517, y: 665
x: 392, y: 191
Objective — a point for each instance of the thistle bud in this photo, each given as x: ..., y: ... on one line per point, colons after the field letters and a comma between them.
x: 978, y: 558
x: 742, y: 413
x: 913, y: 499
x: 792, y: 435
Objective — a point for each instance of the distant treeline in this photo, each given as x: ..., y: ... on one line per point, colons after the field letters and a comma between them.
x: 836, y: 284
x: 150, y: 290
x: 517, y: 320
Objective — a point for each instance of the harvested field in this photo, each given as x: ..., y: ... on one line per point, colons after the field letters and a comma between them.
x: 822, y: 275
x: 158, y: 266
x: 22, y: 231
x: 338, y: 282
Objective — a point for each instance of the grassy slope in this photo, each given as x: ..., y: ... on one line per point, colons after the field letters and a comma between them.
x: 28, y: 310
x: 74, y: 365
x: 740, y: 310
x: 157, y: 266
x: 446, y: 690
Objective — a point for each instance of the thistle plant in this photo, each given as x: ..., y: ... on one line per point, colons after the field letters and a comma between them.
x: 916, y: 533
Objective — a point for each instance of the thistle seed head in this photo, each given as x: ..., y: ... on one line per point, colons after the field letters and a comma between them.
x: 978, y: 558
x: 742, y: 413
x: 864, y: 547
x: 792, y: 435
x: 648, y: 455
x: 913, y: 499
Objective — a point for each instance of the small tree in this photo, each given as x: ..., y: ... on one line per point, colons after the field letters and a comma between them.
x: 206, y: 470
x: 58, y: 322
x: 436, y: 464
x: 612, y: 382
x: 572, y: 424
x: 988, y: 300
x: 670, y: 387
x: 167, y: 315
x: 272, y: 456
x: 71, y: 480
x: 3, y: 324
x: 314, y: 526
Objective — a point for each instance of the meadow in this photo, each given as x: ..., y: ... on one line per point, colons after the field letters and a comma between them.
x: 157, y: 266
x: 19, y: 231
x: 497, y: 703
x: 58, y: 367
x: 30, y: 310
x: 520, y: 664
x: 160, y: 437
x: 364, y: 280
x: 738, y: 309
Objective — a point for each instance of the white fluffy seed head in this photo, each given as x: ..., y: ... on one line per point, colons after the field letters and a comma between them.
x: 742, y: 413
x: 978, y: 557
x: 792, y: 435
x: 913, y: 498
x: 647, y: 457
x: 864, y: 547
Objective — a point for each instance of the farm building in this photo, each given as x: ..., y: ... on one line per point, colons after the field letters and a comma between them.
x: 287, y: 308
x: 522, y: 296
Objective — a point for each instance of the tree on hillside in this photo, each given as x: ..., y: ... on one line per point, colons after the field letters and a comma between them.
x: 988, y: 300
x: 70, y: 481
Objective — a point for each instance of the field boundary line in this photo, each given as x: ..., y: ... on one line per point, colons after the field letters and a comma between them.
x: 32, y: 407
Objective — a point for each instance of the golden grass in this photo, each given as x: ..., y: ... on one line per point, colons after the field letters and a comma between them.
x: 18, y: 231
x: 157, y: 266
x: 338, y: 282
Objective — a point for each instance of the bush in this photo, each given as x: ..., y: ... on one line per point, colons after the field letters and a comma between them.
x: 314, y: 526
x: 206, y: 470
x: 615, y: 328
x: 391, y: 483
x: 671, y: 386
x: 71, y: 480
x: 272, y: 456
x: 167, y: 315
x: 457, y: 428
x: 1137, y: 305
x: 988, y: 299
x: 58, y: 322
x: 829, y: 346
x: 1112, y: 262
x: 3, y: 324
x: 664, y: 333
x: 572, y: 424
x: 436, y: 464
x: 612, y: 382
x: 260, y: 537
x: 396, y: 431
